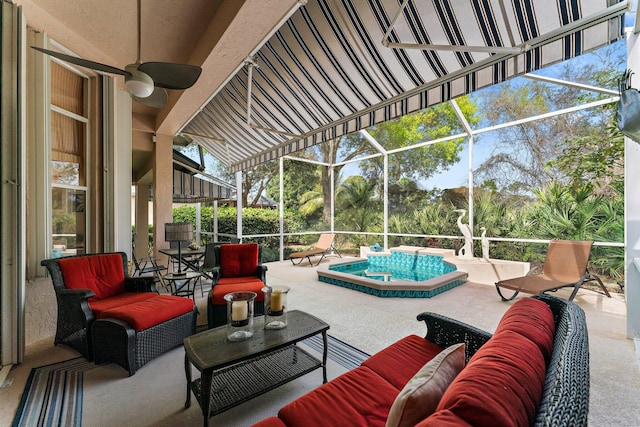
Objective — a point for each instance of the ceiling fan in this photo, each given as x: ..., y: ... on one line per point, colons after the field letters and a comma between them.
x: 146, y: 82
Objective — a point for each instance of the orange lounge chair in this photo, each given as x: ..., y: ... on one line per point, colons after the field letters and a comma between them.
x: 322, y: 248
x: 565, y: 266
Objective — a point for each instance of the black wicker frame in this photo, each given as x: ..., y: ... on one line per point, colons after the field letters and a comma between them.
x: 74, y: 315
x: 116, y: 341
x: 217, y: 314
x: 565, y: 398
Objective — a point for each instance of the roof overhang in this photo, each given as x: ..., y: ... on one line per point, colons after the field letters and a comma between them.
x: 191, y: 189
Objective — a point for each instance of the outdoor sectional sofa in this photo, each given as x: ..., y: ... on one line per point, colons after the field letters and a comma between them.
x: 534, y: 370
x: 108, y: 316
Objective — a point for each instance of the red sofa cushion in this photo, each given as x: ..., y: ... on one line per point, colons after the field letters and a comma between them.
x: 357, y: 398
x: 501, y: 385
x: 270, y: 422
x: 444, y: 418
x: 103, y: 274
x: 224, y: 286
x: 150, y: 312
x: 399, y: 362
x: 238, y: 259
x: 98, y: 306
x: 533, y: 319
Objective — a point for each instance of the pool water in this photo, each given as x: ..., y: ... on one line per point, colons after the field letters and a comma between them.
x: 398, y: 266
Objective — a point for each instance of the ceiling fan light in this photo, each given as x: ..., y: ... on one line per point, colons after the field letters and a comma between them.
x: 138, y: 83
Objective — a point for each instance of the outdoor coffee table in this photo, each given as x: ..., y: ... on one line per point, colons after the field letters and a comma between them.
x: 233, y: 372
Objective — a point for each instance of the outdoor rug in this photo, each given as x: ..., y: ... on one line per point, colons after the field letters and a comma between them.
x: 65, y: 393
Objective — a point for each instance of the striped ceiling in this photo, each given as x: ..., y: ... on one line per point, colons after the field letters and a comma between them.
x: 327, y: 72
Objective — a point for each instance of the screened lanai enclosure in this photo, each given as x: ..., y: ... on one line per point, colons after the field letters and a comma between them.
x: 377, y: 120
x: 379, y: 90
x: 400, y: 182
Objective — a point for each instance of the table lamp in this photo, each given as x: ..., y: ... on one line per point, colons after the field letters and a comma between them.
x: 178, y: 232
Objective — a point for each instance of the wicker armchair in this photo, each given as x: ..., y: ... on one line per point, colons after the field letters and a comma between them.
x: 74, y: 315
x: 108, y: 316
x: 238, y: 267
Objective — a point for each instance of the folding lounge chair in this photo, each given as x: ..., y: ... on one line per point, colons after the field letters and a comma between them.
x: 322, y: 248
x: 565, y: 266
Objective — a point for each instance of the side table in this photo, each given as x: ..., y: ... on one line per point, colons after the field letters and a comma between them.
x: 233, y: 372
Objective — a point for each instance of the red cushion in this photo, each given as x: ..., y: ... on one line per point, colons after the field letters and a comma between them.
x: 249, y: 284
x: 238, y: 280
x: 533, y: 319
x: 357, y: 398
x: 144, y: 314
x: 103, y: 274
x: 444, y: 418
x: 270, y: 422
x: 501, y: 385
x: 238, y: 259
x: 401, y: 360
x: 99, y: 306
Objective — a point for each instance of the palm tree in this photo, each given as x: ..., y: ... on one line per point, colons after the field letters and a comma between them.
x: 358, y: 205
x: 565, y: 212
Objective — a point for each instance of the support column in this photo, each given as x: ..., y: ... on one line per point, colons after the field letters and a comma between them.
x: 239, y: 204
x: 162, y: 189
x: 632, y: 206
x: 142, y: 216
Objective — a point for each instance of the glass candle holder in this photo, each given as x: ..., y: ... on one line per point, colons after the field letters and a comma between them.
x: 240, y: 315
x: 275, y: 306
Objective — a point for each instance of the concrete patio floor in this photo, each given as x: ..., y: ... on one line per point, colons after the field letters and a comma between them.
x: 371, y: 323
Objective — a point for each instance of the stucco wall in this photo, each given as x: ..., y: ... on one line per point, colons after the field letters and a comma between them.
x: 41, y: 310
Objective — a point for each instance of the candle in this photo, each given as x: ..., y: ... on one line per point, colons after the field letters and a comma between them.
x: 276, y: 300
x: 238, y: 311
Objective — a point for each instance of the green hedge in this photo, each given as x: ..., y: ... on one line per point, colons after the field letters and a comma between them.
x: 254, y: 221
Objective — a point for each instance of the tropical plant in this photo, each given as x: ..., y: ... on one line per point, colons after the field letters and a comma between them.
x: 357, y: 206
x: 565, y: 212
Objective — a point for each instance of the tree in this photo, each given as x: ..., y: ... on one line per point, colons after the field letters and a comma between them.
x: 530, y: 155
x: 255, y: 180
x: 405, y: 196
x: 420, y: 163
x: 565, y: 212
x: 299, y: 178
x: 312, y: 202
x: 358, y: 207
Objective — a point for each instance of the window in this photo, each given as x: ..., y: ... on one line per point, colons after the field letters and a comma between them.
x: 69, y: 135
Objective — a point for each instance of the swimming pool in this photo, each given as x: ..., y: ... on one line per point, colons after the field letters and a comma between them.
x: 407, y: 273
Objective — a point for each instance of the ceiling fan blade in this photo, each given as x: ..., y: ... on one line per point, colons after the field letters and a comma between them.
x: 158, y: 99
x: 171, y: 76
x: 82, y: 62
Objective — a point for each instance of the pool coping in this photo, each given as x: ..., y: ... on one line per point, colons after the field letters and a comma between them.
x: 398, y: 288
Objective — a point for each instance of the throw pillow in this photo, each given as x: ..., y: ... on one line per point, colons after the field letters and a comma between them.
x: 420, y: 397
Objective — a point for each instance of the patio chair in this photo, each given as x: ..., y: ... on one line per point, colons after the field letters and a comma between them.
x: 146, y: 265
x: 238, y: 267
x: 208, y: 266
x: 565, y: 266
x: 322, y: 248
x: 108, y: 316
x: 175, y: 261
